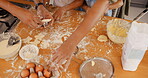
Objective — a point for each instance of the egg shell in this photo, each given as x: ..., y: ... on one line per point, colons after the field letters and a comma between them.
x: 39, y: 68
x: 30, y: 65
x: 47, y: 73
x: 33, y: 75
x: 25, y: 73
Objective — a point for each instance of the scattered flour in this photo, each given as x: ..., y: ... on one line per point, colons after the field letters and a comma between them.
x: 108, y: 51
x: 82, y: 45
x: 45, y: 44
x: 40, y: 36
x: 37, y: 40
x: 27, y: 40
x: 68, y: 74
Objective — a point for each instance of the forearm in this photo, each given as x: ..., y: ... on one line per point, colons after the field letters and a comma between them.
x: 116, y: 5
x: 38, y: 1
x: 13, y: 9
x: 95, y: 13
x: 73, y: 5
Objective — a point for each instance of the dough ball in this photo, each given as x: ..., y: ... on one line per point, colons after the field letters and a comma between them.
x: 118, y: 31
x: 102, y: 38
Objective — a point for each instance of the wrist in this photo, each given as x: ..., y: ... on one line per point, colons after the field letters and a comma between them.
x: 38, y: 5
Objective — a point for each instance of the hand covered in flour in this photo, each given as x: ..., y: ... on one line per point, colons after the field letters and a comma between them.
x: 59, y: 13
x: 63, y: 55
x: 28, y: 17
x: 43, y: 13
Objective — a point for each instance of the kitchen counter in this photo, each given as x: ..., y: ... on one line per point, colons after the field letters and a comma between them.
x: 89, y: 47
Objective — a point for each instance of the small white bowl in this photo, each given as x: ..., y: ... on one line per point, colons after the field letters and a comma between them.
x: 114, y: 38
x: 28, y: 52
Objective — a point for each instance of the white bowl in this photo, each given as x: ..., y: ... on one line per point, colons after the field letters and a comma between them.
x: 11, y: 54
x: 115, y: 38
x: 28, y: 52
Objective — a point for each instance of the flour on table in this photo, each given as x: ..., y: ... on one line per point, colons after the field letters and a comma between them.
x: 68, y: 74
x: 82, y: 45
x: 45, y: 44
x: 108, y: 51
x: 40, y: 36
x: 27, y: 40
x: 38, y: 39
x: 35, y: 42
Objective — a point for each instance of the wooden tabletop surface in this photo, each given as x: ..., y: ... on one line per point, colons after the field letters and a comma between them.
x: 89, y: 47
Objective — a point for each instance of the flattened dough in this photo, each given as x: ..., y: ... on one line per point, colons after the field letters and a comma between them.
x: 102, y: 38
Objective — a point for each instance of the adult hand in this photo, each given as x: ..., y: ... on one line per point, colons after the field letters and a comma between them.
x: 62, y: 56
x: 28, y: 18
x: 59, y: 13
x: 44, y: 13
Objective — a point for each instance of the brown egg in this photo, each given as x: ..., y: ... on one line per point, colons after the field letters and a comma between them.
x: 39, y: 68
x: 30, y: 65
x: 33, y: 75
x: 47, y: 73
x: 25, y: 73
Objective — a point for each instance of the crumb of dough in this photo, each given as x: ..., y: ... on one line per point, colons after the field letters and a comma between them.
x: 64, y: 38
x: 93, y: 29
x: 92, y: 63
x: 102, y: 38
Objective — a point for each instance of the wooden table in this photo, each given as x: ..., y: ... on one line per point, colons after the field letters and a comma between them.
x: 89, y: 47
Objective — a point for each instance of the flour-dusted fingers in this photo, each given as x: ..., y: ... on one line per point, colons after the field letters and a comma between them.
x: 51, y: 22
x: 58, y: 59
x: 33, y: 24
x: 58, y: 18
x: 38, y: 21
x: 55, y: 56
x: 62, y: 61
x: 67, y: 63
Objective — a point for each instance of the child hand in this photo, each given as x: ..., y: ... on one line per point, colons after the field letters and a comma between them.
x: 62, y: 56
x: 59, y: 13
x: 44, y: 13
x: 28, y: 18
